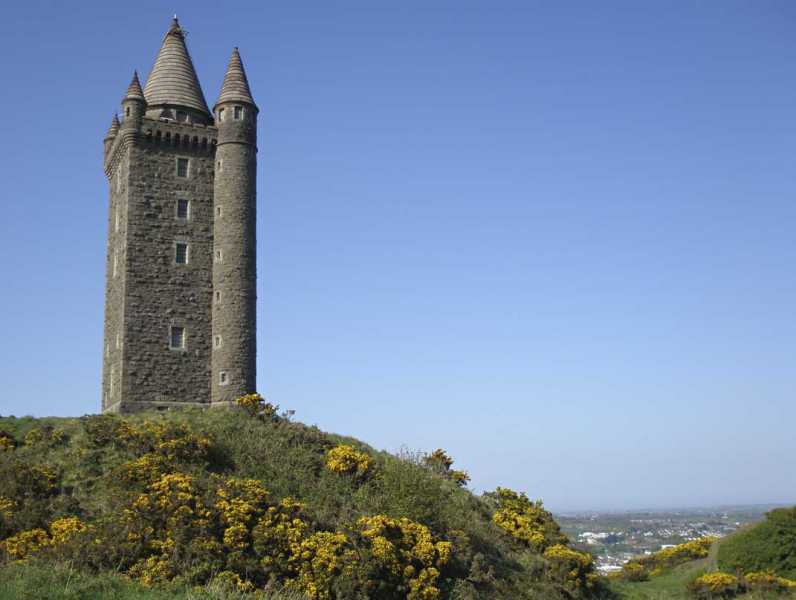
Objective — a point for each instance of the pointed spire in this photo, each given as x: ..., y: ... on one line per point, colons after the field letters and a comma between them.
x: 236, y: 86
x: 114, y: 128
x: 173, y: 79
x: 134, y: 90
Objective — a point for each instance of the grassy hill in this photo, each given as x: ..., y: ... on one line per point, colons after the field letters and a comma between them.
x: 754, y: 563
x: 767, y: 546
x: 220, y: 504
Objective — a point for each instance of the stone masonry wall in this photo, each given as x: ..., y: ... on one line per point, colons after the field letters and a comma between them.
x: 159, y: 293
x: 112, y: 360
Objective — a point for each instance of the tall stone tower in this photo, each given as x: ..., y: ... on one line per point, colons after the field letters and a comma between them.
x: 180, y: 298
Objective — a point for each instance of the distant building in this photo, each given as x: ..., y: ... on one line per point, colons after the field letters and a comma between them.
x: 180, y: 297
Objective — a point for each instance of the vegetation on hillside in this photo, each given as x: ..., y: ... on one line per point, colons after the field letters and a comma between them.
x: 233, y: 503
x: 751, y: 564
x: 767, y: 546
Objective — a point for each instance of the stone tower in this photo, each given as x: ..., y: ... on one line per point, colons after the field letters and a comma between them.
x: 180, y: 298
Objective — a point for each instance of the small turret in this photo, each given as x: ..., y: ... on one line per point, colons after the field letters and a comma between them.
x: 113, y: 130
x: 133, y: 104
x: 235, y: 111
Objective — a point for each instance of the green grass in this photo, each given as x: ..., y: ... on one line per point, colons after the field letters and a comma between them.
x: 669, y: 586
x: 33, y: 581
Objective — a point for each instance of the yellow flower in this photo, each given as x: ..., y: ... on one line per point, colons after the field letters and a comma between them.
x: 346, y: 459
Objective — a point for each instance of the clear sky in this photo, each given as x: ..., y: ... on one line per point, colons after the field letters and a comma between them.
x: 556, y: 239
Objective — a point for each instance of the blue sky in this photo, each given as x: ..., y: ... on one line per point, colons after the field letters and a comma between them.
x: 556, y: 239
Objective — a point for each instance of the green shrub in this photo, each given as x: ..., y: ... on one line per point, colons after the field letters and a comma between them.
x: 766, y: 546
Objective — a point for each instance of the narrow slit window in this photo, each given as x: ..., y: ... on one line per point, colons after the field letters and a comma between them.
x: 218, y: 296
x: 116, y: 218
x: 177, y: 338
x: 218, y: 211
x: 217, y: 341
x: 220, y: 165
x: 223, y: 378
x: 181, y: 253
x: 115, y: 263
x: 183, y: 209
x: 219, y: 256
x: 182, y: 167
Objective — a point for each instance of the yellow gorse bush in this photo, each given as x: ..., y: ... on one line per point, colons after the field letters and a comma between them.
x: 714, y: 585
x: 657, y: 563
x: 65, y: 529
x: 407, y: 552
x: 440, y: 462
x: 320, y: 558
x: 573, y: 569
x: 6, y: 442
x: 26, y: 543
x: 255, y: 405
x: 346, y: 459
x: 526, y: 521
x: 767, y: 581
x: 7, y: 506
x: 45, y: 435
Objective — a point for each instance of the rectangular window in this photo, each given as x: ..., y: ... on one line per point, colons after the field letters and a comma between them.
x: 238, y: 113
x: 218, y: 211
x: 182, y: 167
x: 177, y: 338
x: 223, y: 378
x: 217, y: 341
x: 183, y: 207
x: 220, y: 114
x: 181, y: 253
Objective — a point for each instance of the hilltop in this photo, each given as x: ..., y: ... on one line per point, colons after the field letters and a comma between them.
x: 247, y: 502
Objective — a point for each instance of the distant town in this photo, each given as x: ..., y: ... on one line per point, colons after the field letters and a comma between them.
x: 614, y: 538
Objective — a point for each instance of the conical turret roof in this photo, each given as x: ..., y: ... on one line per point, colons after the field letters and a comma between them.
x: 134, y: 90
x: 173, y: 80
x: 114, y: 128
x: 236, y: 86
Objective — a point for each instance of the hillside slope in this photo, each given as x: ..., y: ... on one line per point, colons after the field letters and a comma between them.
x: 766, y: 546
x: 252, y: 501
